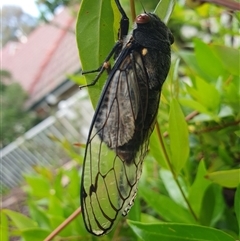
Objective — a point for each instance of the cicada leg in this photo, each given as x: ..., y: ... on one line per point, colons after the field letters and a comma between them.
x: 123, y: 30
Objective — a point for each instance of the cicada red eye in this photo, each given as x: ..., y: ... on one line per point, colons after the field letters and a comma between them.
x: 142, y: 18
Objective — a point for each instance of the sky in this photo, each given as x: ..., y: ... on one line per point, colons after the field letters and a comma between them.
x: 28, y: 6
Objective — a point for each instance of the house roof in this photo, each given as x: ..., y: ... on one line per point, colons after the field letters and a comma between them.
x: 42, y: 63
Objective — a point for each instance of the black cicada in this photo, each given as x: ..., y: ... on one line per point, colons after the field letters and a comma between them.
x: 124, y: 120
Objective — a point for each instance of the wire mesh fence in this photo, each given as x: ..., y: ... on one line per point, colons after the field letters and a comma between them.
x: 71, y: 122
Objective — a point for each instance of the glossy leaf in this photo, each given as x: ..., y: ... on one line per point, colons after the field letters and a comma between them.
x: 228, y: 178
x: 177, y: 232
x: 178, y: 133
x: 95, y: 39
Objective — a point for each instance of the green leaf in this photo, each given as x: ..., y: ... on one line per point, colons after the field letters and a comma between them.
x: 135, y: 213
x: 165, y: 206
x: 55, y: 206
x: 146, y: 218
x: 237, y: 133
x: 39, y: 215
x: 164, y: 9
x: 177, y: 232
x: 4, y: 227
x: 237, y: 206
x: 206, y: 94
x: 194, y: 105
x: 78, y: 79
x: 172, y: 188
x: 231, y: 93
x: 57, y: 184
x: 191, y: 62
x: 208, y: 61
x: 229, y: 58
x: 57, y: 220
x: 39, y: 185
x: 20, y: 221
x: 212, y: 206
x: 230, y: 178
x: 35, y: 234
x: 178, y: 133
x: 157, y: 149
x: 95, y: 39
x: 73, y: 185
x: 198, y: 188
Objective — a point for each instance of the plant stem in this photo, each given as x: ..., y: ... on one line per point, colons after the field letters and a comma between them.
x: 63, y: 224
x: 172, y: 170
x: 133, y: 11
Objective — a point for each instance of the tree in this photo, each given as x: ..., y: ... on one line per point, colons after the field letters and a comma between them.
x: 16, y: 24
x: 47, y: 8
x: 15, y: 121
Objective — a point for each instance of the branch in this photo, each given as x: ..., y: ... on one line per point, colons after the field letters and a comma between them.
x: 215, y: 128
x: 63, y: 224
x: 233, y: 5
x: 187, y: 118
x: 133, y: 11
x: 173, y: 172
x: 226, y: 3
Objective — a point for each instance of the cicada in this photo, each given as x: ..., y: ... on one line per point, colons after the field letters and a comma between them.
x: 124, y: 119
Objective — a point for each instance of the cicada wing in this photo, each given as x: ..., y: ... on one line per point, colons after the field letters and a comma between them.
x: 99, y: 187
x: 115, y: 149
x: 109, y: 187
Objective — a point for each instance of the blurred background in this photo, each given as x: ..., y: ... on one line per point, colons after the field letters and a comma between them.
x: 38, y: 54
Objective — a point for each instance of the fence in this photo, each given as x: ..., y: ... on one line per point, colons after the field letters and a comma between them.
x: 35, y: 147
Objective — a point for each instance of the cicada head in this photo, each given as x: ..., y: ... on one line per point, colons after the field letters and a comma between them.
x: 150, y: 31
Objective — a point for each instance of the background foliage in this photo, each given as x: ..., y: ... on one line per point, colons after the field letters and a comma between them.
x: 189, y: 187
x: 15, y: 121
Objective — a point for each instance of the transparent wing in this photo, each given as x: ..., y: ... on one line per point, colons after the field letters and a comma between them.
x: 116, y: 146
